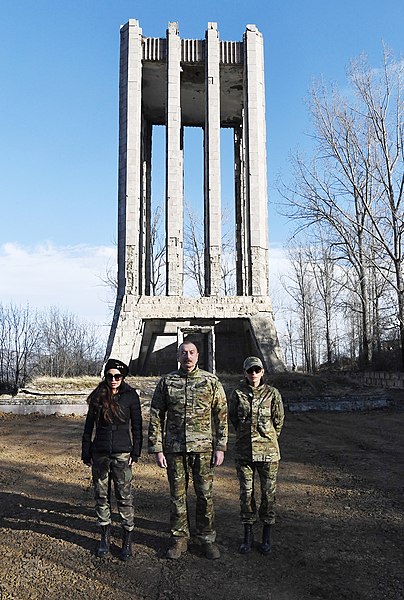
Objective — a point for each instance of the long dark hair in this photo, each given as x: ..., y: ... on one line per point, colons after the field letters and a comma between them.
x: 102, y: 398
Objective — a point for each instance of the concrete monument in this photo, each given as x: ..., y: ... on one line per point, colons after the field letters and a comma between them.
x: 210, y: 84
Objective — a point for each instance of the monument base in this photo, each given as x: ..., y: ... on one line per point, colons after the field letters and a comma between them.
x: 146, y: 331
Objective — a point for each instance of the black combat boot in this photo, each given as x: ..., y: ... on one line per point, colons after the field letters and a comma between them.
x: 246, y: 546
x: 265, y: 547
x: 103, y: 548
x: 126, y: 551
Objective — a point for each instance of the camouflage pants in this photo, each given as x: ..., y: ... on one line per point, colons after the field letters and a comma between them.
x: 267, y: 472
x: 108, y: 468
x: 180, y: 467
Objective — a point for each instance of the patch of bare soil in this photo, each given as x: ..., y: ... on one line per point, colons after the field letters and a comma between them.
x: 339, y: 533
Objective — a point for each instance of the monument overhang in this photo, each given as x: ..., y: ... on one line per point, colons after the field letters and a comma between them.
x: 177, y: 307
x: 193, y: 98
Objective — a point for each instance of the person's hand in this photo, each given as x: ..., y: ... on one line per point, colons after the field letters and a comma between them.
x: 161, y: 460
x: 218, y: 458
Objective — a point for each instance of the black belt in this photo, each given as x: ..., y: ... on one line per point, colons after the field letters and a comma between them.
x: 115, y: 427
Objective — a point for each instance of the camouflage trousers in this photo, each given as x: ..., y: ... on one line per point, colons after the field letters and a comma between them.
x: 108, y: 468
x: 267, y: 473
x: 180, y: 468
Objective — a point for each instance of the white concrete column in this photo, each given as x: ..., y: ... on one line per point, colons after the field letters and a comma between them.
x: 255, y: 134
x: 241, y: 213
x: 129, y: 178
x: 174, y: 166
x: 212, y: 191
x: 147, y: 265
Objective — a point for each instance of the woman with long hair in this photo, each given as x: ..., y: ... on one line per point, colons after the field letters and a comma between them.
x: 114, y: 411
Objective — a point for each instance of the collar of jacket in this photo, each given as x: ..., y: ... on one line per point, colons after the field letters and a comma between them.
x: 194, y: 373
x: 252, y: 390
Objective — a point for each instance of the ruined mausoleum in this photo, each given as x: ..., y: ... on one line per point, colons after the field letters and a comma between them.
x: 206, y: 83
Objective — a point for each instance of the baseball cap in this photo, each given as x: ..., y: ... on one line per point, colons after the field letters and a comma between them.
x: 252, y: 361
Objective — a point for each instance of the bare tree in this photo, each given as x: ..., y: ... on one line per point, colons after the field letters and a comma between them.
x: 194, y: 249
x: 329, y: 284
x: 353, y: 186
x: 380, y: 92
x: 228, y: 258
x: 70, y: 347
x: 157, y: 248
x: 19, y: 345
x: 290, y: 342
x: 157, y: 255
x: 50, y: 342
x: 300, y: 286
x: 110, y: 278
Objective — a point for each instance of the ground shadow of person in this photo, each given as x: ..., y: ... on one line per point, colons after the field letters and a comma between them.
x: 72, y: 523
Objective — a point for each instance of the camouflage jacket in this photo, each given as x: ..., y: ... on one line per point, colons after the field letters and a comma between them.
x: 188, y: 413
x: 257, y: 416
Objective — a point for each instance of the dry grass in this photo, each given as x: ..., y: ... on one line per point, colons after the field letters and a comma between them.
x: 85, y: 382
x: 290, y: 384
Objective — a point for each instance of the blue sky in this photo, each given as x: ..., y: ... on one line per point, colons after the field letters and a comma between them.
x: 59, y: 120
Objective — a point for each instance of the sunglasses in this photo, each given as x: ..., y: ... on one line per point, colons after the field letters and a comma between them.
x: 111, y: 376
x: 253, y: 370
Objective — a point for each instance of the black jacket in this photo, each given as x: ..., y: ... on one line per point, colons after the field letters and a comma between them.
x: 115, y: 437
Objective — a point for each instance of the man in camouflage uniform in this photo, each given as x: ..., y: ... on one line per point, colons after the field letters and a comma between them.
x: 188, y: 434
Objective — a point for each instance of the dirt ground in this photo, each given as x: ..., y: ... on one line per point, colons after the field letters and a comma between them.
x: 339, y: 531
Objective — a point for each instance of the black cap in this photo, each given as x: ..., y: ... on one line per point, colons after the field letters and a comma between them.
x: 113, y: 363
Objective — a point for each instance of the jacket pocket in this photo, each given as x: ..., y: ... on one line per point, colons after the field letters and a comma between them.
x: 264, y: 422
x: 175, y: 392
x: 244, y: 410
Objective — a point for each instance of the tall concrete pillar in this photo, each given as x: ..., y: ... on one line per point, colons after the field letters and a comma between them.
x: 146, y: 206
x: 256, y: 179
x: 130, y: 176
x: 210, y: 84
x: 212, y: 192
x: 242, y: 214
x: 174, y: 169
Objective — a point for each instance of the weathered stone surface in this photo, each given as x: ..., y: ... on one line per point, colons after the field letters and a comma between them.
x: 211, y: 84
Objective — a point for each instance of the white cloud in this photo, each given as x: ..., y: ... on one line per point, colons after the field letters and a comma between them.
x: 279, y: 263
x: 279, y: 269
x: 68, y: 277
